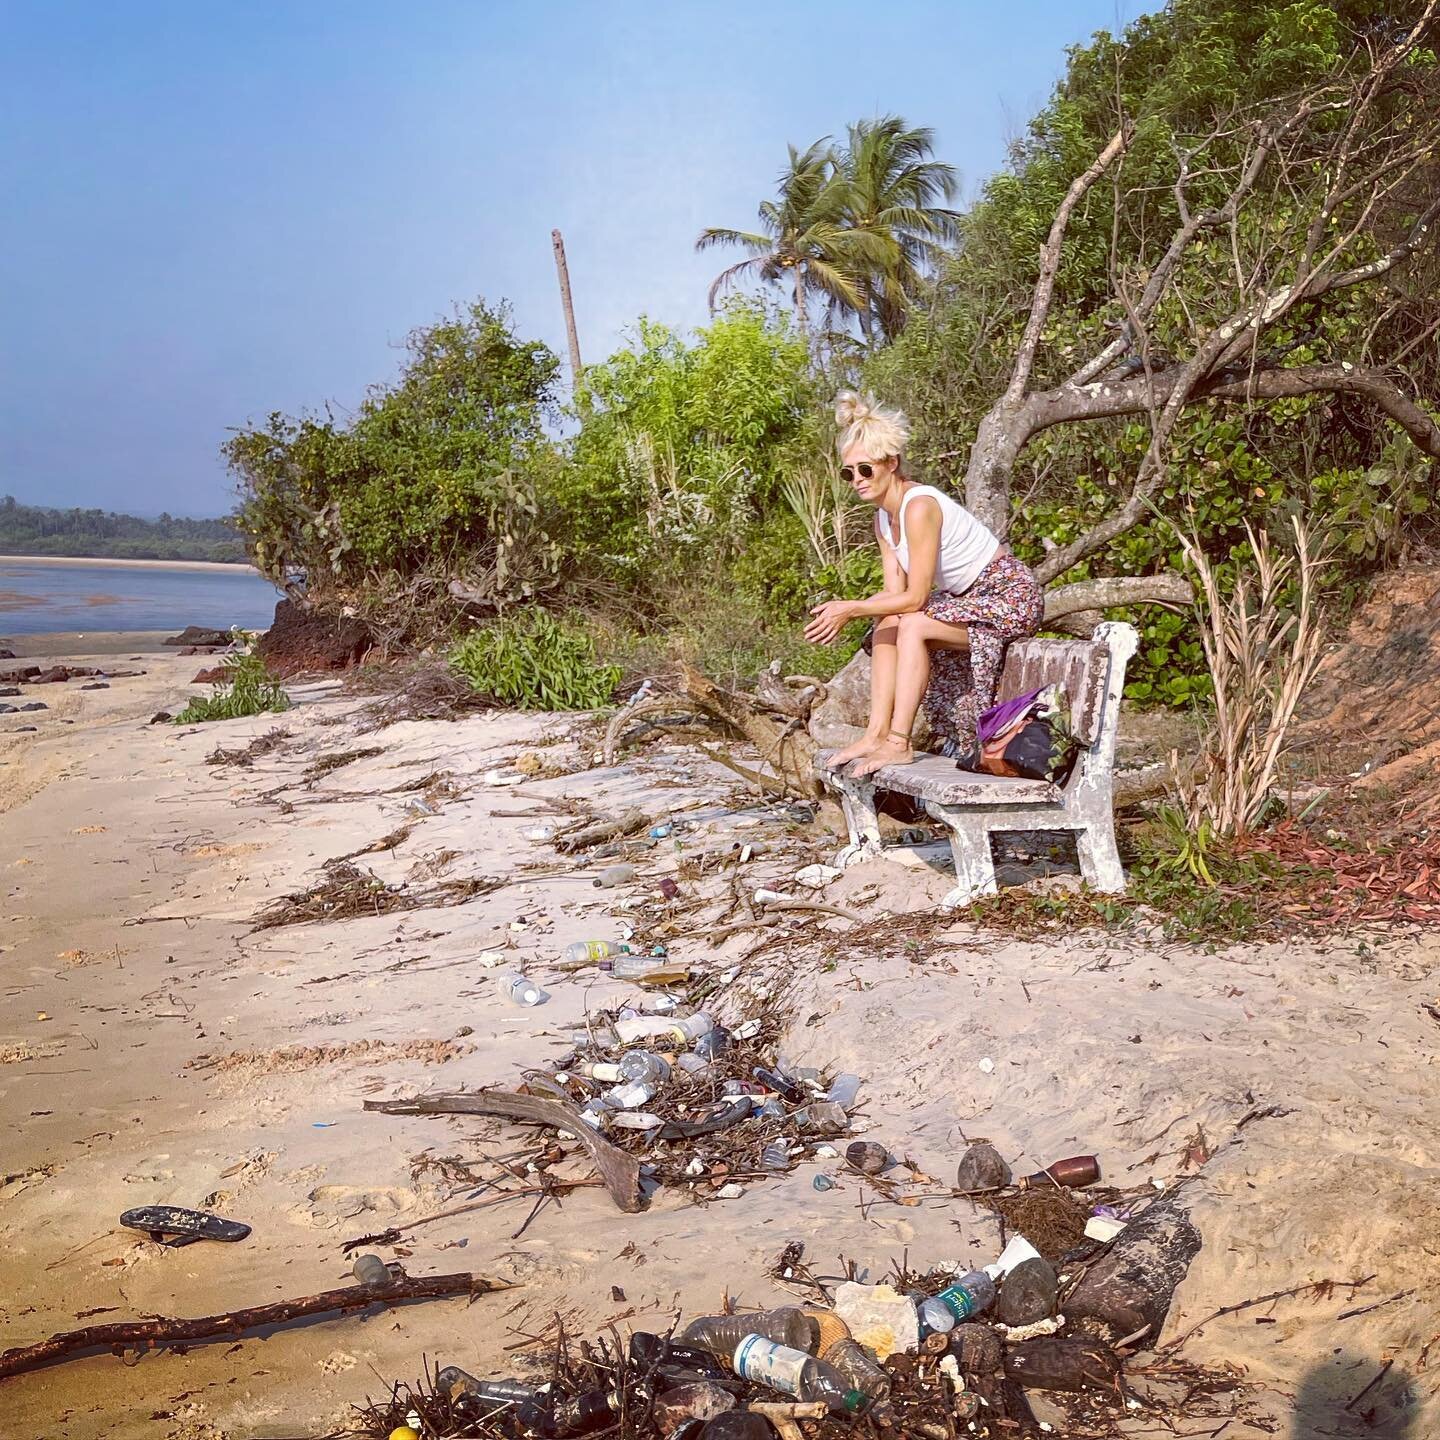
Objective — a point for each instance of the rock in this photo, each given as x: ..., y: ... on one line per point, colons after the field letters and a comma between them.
x: 160, y: 717
x: 34, y: 705
x: 199, y: 635
x: 1133, y: 1284
x: 23, y: 676
x: 7, y: 654
x: 97, y: 685
x: 215, y: 675
x: 305, y: 639
x: 982, y: 1167
x: 8, y: 690
x: 977, y: 1348
x: 1063, y: 1363
x: 21, y: 729
x: 1027, y: 1293
x: 7, y: 709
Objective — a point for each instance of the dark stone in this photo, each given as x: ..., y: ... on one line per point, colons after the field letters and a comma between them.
x: 7, y: 709
x: 8, y: 690
x: 215, y: 675
x: 1027, y: 1293
x: 21, y: 729
x: 1132, y: 1285
x: 302, y: 640
x: 160, y: 717
x: 199, y: 635
x: 97, y: 685
x: 21, y: 676
x: 982, y: 1168
x: 34, y: 705
x: 7, y: 654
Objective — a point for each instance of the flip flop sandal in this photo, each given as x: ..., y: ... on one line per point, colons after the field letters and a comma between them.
x: 173, y: 1225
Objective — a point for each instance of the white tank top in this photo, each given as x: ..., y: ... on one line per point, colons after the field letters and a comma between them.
x: 966, y: 546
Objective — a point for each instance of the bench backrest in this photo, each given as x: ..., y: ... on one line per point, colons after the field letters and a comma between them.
x: 1091, y: 671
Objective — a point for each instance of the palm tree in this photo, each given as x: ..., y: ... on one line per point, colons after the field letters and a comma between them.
x: 889, y: 187
x: 806, y: 234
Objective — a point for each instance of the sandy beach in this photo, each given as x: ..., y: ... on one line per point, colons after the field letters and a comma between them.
x: 156, y: 1047
x: 214, y: 566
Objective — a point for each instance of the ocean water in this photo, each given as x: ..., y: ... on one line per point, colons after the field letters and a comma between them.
x: 39, y: 596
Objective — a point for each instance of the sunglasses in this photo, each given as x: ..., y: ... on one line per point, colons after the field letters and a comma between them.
x: 865, y: 467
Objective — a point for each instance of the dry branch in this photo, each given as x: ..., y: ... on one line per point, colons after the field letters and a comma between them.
x: 787, y: 749
x: 150, y: 1334
x: 619, y: 1171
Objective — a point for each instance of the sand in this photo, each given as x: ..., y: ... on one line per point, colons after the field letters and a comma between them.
x: 121, y: 564
x: 153, y: 1048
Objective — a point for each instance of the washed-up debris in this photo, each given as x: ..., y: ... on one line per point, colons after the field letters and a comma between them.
x: 347, y: 891
x: 247, y: 755
x: 157, y: 1332
x: 332, y: 760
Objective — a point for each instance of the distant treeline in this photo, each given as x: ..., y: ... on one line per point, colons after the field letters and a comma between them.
x: 39, y: 530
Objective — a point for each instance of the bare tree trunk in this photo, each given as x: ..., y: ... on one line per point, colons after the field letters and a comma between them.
x: 563, y: 271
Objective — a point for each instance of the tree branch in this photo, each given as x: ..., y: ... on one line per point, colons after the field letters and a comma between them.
x: 1050, y: 265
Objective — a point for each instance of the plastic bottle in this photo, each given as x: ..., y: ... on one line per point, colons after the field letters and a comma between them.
x: 371, y: 1270
x: 858, y: 1368
x: 720, y: 1334
x: 774, y: 1080
x: 796, y: 1373
x: 635, y: 1120
x: 962, y: 1298
x: 453, y: 1382
x: 645, y: 1066
x: 712, y: 1043
x: 672, y: 1362
x: 844, y: 1090
x: 613, y: 875
x: 647, y: 1027
x: 775, y: 1156
x: 630, y: 1096
x: 823, y: 1115
x: 1074, y: 1172
x: 518, y: 990
x: 601, y: 1070
x: 591, y: 1410
x: 765, y: 897
x: 631, y: 967
x: 579, y: 952
x: 540, y: 833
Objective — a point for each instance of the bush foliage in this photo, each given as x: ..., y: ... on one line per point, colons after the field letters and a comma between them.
x: 692, y: 488
x: 247, y: 688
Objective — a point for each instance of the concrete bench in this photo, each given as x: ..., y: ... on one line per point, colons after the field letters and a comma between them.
x: 972, y: 806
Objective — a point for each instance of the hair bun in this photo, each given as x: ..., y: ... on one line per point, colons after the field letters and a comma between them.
x: 852, y: 407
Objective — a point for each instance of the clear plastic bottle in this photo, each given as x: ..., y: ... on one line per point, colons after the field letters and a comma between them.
x: 601, y: 1070
x: 794, y: 1372
x: 518, y: 990
x: 635, y: 1120
x: 630, y: 1096
x: 720, y: 1334
x: 613, y: 875
x: 648, y: 1027
x: 644, y: 1065
x: 775, y: 1156
x: 823, y: 1115
x: 632, y: 967
x: 372, y: 1271
x: 859, y: 1368
x: 580, y: 952
x: 453, y: 1382
x: 968, y: 1295
x: 844, y: 1090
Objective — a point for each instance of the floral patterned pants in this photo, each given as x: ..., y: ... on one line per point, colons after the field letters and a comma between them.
x: 1006, y: 603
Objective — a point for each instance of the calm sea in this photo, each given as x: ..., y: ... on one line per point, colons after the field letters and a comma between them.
x: 40, y: 596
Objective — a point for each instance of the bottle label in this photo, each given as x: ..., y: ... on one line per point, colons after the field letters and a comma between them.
x: 960, y: 1300
x: 766, y: 1363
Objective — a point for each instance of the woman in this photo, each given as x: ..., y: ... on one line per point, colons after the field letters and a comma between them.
x: 954, y: 597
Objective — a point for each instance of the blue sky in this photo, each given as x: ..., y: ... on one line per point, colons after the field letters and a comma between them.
x: 212, y: 210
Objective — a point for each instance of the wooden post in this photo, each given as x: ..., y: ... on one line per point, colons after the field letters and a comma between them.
x: 563, y: 271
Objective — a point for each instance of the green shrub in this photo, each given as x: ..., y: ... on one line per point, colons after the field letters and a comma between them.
x: 247, y: 689
x: 536, y: 662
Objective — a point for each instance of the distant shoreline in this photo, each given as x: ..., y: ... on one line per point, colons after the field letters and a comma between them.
x: 224, y: 566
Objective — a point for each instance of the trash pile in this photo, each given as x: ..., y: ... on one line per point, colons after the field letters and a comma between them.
x: 952, y: 1352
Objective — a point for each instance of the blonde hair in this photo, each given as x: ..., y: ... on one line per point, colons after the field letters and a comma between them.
x: 863, y: 420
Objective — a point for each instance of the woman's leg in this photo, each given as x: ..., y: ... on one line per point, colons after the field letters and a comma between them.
x: 882, y: 691
x: 918, y: 632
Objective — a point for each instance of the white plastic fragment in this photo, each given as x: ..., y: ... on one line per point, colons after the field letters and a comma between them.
x: 1015, y: 1253
x: 746, y: 1031
x: 499, y: 777
x: 987, y: 1065
x: 879, y: 1317
x: 1029, y: 1332
x: 489, y: 959
x: 817, y: 877
x: 1103, y: 1228
x: 730, y: 1192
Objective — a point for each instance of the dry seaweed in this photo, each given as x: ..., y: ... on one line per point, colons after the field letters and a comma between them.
x: 423, y: 689
x: 332, y: 760
x: 247, y: 755
x: 346, y: 891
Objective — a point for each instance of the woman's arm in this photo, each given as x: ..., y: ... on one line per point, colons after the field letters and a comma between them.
x: 902, y: 593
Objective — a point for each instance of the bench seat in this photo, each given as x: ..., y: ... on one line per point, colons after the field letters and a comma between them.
x: 973, y: 806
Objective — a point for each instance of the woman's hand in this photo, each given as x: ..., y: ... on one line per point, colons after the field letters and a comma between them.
x: 829, y: 620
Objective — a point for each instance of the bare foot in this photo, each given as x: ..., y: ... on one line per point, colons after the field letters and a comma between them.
x: 863, y: 746
x: 888, y: 751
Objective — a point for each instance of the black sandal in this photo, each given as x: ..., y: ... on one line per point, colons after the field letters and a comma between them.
x: 160, y: 1222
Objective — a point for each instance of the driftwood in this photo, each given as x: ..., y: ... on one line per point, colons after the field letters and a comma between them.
x: 150, y: 1334
x: 672, y: 713
x: 778, y: 695
x: 602, y: 830
x: 619, y: 1171
x: 787, y: 749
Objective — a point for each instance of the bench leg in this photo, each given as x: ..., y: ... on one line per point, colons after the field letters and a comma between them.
x: 857, y: 800
x: 1099, y: 859
x: 970, y: 846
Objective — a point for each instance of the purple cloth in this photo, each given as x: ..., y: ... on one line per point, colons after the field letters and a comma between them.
x: 999, y: 718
